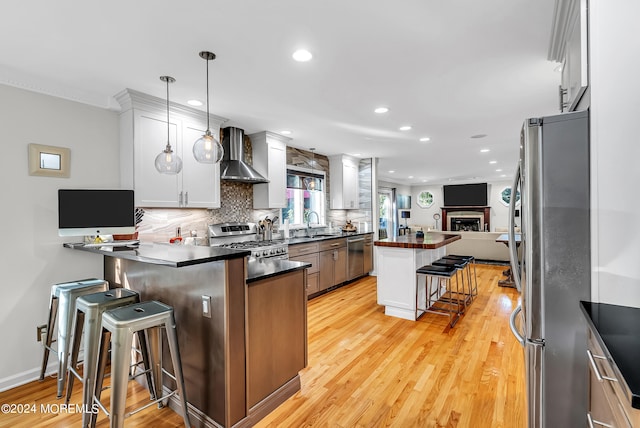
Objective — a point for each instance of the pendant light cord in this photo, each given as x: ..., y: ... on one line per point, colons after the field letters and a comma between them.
x: 208, y: 128
x: 168, y: 124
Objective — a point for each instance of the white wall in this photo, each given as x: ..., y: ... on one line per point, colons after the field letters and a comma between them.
x: 614, y: 39
x: 424, y: 216
x: 32, y: 257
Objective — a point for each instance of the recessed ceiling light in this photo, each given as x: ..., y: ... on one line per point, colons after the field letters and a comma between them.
x: 498, y: 170
x: 485, y: 151
x: 356, y: 154
x: 285, y: 132
x: 558, y: 69
x: 503, y: 175
x: 391, y: 171
x: 411, y: 176
x: 302, y: 55
x: 195, y: 103
x: 492, y: 162
x: 405, y: 128
x: 479, y: 136
x: 424, y: 181
x: 425, y: 139
x: 381, y: 110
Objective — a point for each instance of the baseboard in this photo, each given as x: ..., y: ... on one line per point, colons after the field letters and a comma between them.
x: 25, y: 377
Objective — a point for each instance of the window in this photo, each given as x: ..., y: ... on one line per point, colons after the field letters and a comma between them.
x: 301, y: 201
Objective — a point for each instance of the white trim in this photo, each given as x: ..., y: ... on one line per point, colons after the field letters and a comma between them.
x: 25, y: 377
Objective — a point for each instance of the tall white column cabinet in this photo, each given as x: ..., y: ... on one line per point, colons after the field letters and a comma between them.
x: 270, y: 160
x: 343, y: 176
x: 143, y: 135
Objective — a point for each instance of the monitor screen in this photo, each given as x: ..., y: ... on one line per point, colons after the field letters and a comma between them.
x: 85, y: 212
x: 465, y: 195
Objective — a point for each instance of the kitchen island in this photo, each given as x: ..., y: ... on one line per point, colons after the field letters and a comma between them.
x: 397, y: 260
x: 242, y: 323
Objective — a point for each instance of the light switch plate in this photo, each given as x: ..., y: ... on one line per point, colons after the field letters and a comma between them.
x: 206, y: 306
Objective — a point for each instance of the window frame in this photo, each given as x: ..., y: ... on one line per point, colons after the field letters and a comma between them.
x: 319, y: 174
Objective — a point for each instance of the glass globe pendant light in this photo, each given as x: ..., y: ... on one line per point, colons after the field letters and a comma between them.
x: 168, y: 162
x: 310, y: 182
x: 207, y: 149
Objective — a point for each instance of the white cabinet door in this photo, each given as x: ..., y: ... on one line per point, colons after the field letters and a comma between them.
x: 200, y: 181
x: 350, y: 185
x: 343, y: 175
x: 270, y: 160
x: 153, y: 189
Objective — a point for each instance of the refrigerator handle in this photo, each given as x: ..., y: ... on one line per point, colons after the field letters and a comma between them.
x: 513, y: 248
x: 512, y: 325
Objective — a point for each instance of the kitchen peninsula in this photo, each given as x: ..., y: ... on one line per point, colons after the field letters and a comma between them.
x: 397, y: 260
x: 242, y: 323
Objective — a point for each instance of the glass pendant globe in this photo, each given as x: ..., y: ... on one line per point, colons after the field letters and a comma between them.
x: 207, y: 149
x: 168, y: 162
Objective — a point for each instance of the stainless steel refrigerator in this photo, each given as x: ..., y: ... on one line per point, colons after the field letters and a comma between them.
x: 554, y: 271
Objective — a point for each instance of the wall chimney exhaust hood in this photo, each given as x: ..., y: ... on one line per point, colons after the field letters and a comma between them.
x: 232, y: 166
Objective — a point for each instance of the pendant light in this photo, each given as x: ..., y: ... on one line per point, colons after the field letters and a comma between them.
x: 207, y: 149
x: 168, y: 162
x: 310, y: 182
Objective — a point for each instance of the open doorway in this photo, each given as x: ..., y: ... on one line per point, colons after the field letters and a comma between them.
x: 387, y: 217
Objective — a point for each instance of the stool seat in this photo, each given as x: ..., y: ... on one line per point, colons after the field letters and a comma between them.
x: 62, y: 307
x: 459, y: 264
x: 457, y: 256
x: 437, y: 270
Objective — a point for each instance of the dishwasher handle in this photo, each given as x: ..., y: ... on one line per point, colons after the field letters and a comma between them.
x: 352, y: 240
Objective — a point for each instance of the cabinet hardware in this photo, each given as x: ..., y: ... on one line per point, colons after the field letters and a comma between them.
x: 596, y: 371
x: 593, y: 421
x: 186, y: 198
x: 561, y: 94
x: 180, y: 199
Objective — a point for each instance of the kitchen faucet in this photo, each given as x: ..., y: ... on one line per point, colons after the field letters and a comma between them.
x: 309, y: 222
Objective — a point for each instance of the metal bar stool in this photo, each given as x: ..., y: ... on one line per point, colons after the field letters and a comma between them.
x: 89, y: 310
x: 461, y: 268
x: 119, y: 325
x: 62, y: 305
x: 472, y: 261
x: 449, y: 297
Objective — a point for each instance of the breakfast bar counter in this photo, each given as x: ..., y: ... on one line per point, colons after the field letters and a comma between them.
x: 397, y: 260
x: 241, y: 323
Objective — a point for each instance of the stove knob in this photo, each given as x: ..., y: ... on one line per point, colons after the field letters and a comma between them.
x: 265, y: 253
x: 281, y: 250
x: 256, y: 254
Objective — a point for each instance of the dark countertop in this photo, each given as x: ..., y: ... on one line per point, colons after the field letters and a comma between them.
x: 165, y: 254
x: 323, y: 237
x: 616, y: 329
x: 258, y: 269
x: 431, y: 241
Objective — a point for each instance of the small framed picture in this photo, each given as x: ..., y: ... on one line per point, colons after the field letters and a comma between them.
x: 49, y: 161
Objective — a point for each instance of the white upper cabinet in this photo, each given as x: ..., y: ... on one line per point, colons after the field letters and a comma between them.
x: 569, y: 46
x: 270, y: 160
x: 343, y: 176
x: 143, y: 135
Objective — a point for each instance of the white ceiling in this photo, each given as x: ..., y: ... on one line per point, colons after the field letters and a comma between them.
x: 450, y: 69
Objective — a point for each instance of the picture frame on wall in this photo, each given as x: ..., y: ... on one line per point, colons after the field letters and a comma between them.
x: 49, y: 161
x: 505, y: 196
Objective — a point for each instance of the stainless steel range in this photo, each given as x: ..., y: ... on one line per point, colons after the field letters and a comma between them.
x: 244, y: 236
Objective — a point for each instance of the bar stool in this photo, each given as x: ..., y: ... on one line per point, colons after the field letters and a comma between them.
x: 119, y: 325
x: 450, y: 297
x: 471, y: 261
x: 62, y: 305
x: 461, y: 268
x: 89, y: 310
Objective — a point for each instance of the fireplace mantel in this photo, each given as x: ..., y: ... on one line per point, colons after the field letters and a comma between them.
x: 485, y: 210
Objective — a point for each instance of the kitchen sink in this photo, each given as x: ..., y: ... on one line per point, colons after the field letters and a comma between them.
x: 326, y: 235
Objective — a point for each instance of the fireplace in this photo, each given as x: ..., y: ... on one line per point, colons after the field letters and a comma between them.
x: 466, y: 223
x: 466, y: 218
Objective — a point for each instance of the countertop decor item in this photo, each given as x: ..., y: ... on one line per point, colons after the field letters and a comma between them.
x: 207, y: 149
x: 168, y: 162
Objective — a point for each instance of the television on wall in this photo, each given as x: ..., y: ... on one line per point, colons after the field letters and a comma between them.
x: 465, y: 195
x: 87, y: 212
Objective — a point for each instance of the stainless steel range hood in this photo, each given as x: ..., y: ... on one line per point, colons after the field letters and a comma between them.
x: 232, y: 166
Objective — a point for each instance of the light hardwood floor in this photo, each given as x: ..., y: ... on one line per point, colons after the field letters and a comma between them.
x: 369, y: 370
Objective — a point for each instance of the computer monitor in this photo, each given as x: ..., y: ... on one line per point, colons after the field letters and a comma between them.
x: 89, y: 212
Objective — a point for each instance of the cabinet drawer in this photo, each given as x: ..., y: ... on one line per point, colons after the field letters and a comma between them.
x: 332, y: 244
x: 313, y: 284
x: 308, y: 258
x: 299, y: 249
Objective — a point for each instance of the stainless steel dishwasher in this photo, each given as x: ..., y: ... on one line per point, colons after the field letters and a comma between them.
x: 355, y: 257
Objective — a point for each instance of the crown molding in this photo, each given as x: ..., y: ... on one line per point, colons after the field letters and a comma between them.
x: 564, y: 14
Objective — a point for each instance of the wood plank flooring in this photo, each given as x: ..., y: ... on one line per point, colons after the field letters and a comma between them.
x: 369, y: 370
